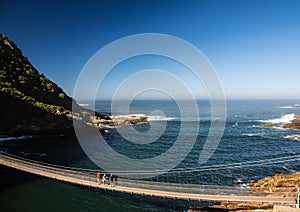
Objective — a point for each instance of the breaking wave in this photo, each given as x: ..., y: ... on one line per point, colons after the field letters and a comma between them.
x: 290, y: 106
x: 282, y: 120
x: 253, y: 134
x: 295, y: 137
x: 160, y: 118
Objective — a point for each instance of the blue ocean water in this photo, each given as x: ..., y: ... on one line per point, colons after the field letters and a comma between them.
x: 246, y: 152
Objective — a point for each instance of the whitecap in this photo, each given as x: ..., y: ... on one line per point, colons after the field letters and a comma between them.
x: 290, y: 106
x: 278, y: 128
x: 235, y: 124
x: 128, y: 116
x: 286, y: 107
x: 282, y: 120
x: 159, y: 118
x: 253, y: 134
x: 254, y: 126
x: 295, y: 137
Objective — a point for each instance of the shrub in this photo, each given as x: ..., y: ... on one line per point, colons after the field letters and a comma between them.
x: 61, y: 95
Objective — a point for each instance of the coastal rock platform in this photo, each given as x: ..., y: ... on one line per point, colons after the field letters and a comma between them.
x: 116, y: 121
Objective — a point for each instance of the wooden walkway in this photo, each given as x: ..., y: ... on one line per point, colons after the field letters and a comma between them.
x: 89, y: 180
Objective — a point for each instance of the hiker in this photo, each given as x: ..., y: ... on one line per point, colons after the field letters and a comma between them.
x: 115, y: 181
x: 103, y: 179
x: 98, y: 176
x: 111, y: 180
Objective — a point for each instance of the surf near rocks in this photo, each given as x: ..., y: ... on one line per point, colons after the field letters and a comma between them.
x: 294, y: 124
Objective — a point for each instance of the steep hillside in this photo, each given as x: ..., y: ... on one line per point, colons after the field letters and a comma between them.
x: 31, y: 103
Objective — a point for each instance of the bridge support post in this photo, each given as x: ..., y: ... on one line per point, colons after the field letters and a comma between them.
x: 298, y: 197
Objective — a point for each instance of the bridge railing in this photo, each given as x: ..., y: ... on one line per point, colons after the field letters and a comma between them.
x: 184, y: 188
x: 90, y: 175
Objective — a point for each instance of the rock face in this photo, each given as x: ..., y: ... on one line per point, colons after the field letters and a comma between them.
x: 30, y: 102
x: 295, y: 124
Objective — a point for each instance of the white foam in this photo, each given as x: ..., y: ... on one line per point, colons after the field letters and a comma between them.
x: 83, y: 105
x: 129, y: 115
x: 150, y: 118
x: 279, y: 128
x: 254, y: 126
x: 290, y: 106
x: 253, y: 134
x: 292, y: 137
x: 282, y: 120
x: 159, y: 118
x: 286, y: 107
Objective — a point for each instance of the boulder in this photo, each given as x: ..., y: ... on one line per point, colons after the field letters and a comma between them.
x: 295, y: 124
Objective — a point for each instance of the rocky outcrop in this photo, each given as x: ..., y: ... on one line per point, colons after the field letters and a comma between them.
x: 277, y: 183
x: 296, y: 137
x: 284, y: 183
x: 295, y: 124
x: 238, y: 207
x: 115, y: 121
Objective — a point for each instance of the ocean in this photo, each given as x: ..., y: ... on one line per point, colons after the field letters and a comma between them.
x: 245, y: 153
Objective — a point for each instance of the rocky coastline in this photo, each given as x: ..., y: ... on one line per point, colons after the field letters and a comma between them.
x: 286, y: 184
x: 115, y: 121
x: 294, y: 124
x: 278, y: 183
x: 31, y: 104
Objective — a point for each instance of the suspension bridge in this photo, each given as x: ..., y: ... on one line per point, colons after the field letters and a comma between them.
x: 147, y: 188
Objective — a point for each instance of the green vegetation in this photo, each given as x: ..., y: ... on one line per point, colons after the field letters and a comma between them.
x: 61, y: 95
x: 20, y: 79
x: 30, y: 102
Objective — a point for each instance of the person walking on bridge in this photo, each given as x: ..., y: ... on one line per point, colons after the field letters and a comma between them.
x: 98, y: 176
x: 103, y: 179
x: 111, y: 180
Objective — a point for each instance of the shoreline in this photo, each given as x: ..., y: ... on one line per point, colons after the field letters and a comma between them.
x: 284, y: 183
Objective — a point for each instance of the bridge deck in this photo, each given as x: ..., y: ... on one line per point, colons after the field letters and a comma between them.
x: 83, y: 179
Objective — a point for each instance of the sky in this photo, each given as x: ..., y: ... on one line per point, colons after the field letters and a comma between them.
x: 253, y: 45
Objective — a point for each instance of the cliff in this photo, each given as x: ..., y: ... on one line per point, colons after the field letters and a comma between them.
x: 30, y: 102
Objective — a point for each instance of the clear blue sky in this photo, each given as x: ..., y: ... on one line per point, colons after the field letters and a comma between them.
x: 254, y: 45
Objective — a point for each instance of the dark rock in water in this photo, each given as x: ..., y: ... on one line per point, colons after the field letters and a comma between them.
x: 104, y: 131
x: 30, y: 102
